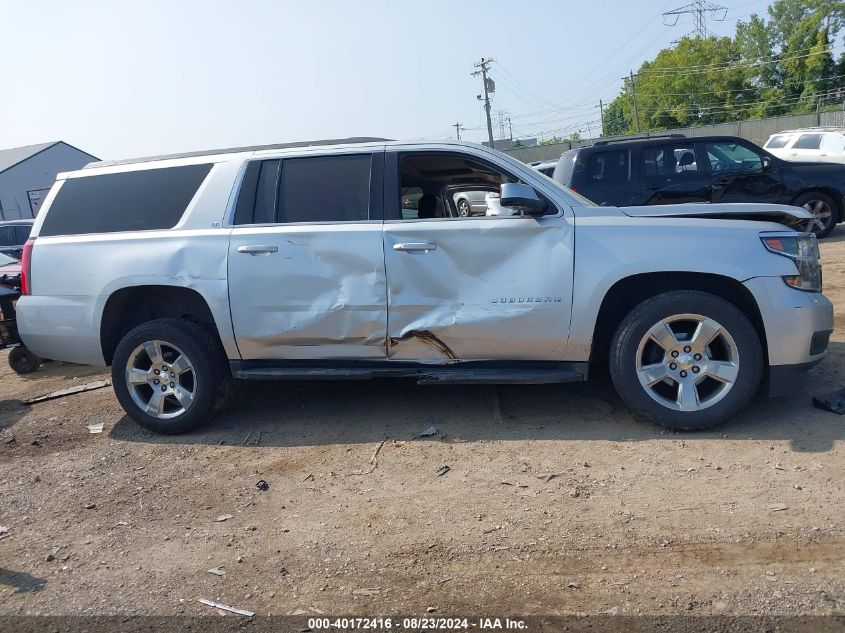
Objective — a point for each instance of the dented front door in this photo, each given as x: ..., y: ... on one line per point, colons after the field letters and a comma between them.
x: 485, y: 288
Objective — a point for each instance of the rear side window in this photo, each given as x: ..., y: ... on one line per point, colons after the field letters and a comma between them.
x: 609, y: 167
x: 313, y: 189
x: 325, y: 189
x: 131, y: 201
x: 669, y: 161
x: 808, y: 141
x: 776, y: 142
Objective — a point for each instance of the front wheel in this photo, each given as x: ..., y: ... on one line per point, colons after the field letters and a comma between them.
x: 169, y: 375
x: 686, y: 360
x: 463, y: 208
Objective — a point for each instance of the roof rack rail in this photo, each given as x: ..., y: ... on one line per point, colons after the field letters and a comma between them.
x: 231, y: 150
x: 640, y: 137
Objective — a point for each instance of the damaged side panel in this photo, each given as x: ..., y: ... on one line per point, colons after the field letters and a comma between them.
x: 492, y: 289
x: 314, y: 291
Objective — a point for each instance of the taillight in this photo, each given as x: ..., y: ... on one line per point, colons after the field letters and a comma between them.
x: 26, y: 267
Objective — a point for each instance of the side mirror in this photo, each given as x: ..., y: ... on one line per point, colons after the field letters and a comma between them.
x: 767, y: 162
x: 522, y: 198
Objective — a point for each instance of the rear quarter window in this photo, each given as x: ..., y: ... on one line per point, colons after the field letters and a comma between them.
x: 808, y: 141
x: 143, y: 200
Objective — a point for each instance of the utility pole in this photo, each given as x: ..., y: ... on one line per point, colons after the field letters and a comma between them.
x: 634, y: 96
x: 601, y: 113
x: 489, y: 87
x: 458, y: 127
x: 510, y: 129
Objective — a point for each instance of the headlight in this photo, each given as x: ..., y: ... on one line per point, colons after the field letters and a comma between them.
x: 803, y: 249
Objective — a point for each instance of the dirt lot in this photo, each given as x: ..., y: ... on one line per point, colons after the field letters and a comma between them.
x: 556, y: 502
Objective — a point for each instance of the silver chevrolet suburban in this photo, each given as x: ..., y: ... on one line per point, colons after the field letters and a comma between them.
x: 347, y: 260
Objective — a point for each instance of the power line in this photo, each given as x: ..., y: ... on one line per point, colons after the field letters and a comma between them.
x: 699, y: 10
x: 683, y: 70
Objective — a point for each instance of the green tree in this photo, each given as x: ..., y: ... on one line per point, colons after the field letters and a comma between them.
x: 778, y: 64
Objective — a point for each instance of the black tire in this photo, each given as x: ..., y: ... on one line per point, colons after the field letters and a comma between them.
x: 464, y: 209
x: 23, y: 361
x: 823, y: 226
x: 209, y: 365
x: 635, y: 326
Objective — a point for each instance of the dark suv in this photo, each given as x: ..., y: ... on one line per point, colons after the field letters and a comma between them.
x: 673, y: 168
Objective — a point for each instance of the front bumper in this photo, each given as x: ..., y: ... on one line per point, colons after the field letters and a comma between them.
x: 798, y: 325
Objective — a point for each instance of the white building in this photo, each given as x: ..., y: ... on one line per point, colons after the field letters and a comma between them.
x: 27, y: 173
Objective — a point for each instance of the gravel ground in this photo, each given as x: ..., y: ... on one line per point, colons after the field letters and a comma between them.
x: 556, y: 501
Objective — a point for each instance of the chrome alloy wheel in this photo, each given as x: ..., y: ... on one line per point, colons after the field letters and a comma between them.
x: 687, y: 362
x: 161, y: 379
x: 822, y: 214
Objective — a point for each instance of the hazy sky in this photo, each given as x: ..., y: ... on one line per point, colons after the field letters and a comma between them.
x: 121, y: 79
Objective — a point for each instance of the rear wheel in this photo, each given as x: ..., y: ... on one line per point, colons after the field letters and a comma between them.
x: 23, y: 361
x: 686, y: 360
x: 823, y: 209
x: 463, y: 208
x: 169, y: 375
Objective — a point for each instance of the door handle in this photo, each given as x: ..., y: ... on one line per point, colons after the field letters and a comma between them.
x: 258, y: 249
x: 415, y: 246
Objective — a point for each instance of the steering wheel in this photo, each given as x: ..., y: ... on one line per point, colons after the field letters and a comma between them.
x: 716, y: 165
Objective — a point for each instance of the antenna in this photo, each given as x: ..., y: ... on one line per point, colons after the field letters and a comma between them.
x: 699, y: 9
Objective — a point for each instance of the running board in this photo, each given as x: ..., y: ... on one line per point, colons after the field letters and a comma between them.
x: 514, y: 377
x: 460, y: 374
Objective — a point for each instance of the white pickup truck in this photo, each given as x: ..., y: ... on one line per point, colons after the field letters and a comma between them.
x: 347, y: 260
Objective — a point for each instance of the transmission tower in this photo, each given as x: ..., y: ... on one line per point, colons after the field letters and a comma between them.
x: 699, y: 9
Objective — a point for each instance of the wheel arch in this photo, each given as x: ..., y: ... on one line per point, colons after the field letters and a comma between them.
x: 630, y: 291
x: 828, y: 191
x: 131, y: 306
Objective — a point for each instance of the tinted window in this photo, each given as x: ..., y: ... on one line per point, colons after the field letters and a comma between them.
x: 607, y: 167
x: 22, y: 232
x: 669, y: 160
x: 7, y: 236
x: 130, y: 201
x: 265, y: 192
x: 325, y: 189
x: 808, y: 141
x: 779, y: 141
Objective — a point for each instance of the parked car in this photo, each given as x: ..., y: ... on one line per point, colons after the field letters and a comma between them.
x: 13, y: 235
x: 671, y: 169
x: 468, y: 200
x: 815, y: 144
x: 545, y: 167
x: 316, y: 269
